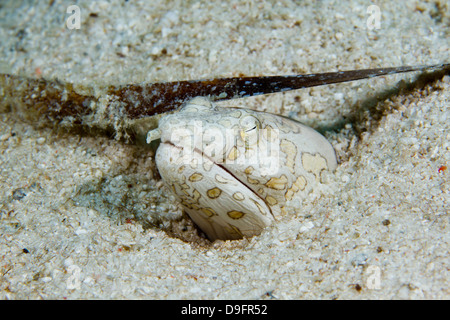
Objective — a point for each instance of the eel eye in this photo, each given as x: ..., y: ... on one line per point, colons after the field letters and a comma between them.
x: 249, y: 129
x: 249, y: 123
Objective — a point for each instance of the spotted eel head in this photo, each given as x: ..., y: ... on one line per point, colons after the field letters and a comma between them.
x: 269, y: 158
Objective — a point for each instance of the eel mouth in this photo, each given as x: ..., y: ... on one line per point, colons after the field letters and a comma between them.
x: 226, y: 170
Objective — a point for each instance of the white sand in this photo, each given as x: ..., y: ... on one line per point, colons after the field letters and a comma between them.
x: 91, y: 212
